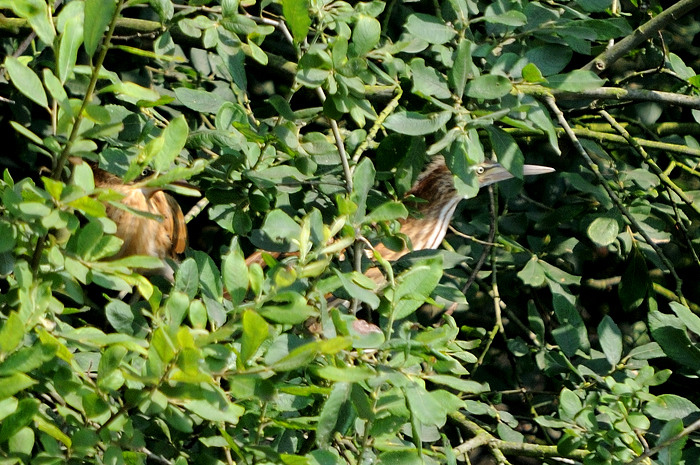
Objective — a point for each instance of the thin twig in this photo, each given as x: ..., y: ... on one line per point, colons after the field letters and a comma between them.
x: 377, y: 125
x: 472, y: 238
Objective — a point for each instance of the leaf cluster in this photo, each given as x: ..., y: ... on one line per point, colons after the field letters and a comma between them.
x: 566, y: 324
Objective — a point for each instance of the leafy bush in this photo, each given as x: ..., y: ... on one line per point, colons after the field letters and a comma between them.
x: 572, y: 323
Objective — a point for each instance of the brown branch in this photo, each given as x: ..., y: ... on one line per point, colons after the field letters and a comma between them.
x: 641, y: 34
x: 601, y: 136
x: 614, y: 93
x: 484, y: 438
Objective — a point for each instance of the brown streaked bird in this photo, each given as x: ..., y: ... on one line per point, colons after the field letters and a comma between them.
x: 435, y: 185
x: 162, y: 233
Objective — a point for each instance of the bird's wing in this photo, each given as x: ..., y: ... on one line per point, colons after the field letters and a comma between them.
x: 172, y: 231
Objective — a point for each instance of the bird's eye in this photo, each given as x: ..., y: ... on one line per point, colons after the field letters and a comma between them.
x: 480, y: 170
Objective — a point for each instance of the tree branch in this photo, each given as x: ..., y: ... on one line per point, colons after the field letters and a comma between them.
x: 484, y: 438
x: 615, y: 93
x: 585, y: 133
x: 641, y: 34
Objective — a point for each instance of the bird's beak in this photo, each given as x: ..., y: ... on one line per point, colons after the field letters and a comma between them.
x: 497, y: 173
x: 529, y: 170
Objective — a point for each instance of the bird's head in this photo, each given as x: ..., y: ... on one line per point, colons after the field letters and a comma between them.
x: 435, y: 183
x: 490, y: 173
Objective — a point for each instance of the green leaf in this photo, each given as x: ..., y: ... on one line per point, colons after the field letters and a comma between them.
x: 281, y: 106
x: 539, y: 116
x: 465, y: 386
x: 547, y: 59
x: 417, y: 124
x: 187, y: 278
x: 507, y: 150
x: 387, y: 211
x: 610, y: 340
x: 634, y: 283
x: 571, y: 335
x: 668, y: 407
x: 175, y: 137
x: 38, y: 14
x: 123, y: 319
x: 176, y: 308
x: 276, y: 231
x: 689, y: 319
x: 532, y: 273
x: 356, y: 291
x: 98, y: 14
x: 298, y: 357
x: 671, y: 335
x: 20, y: 418
x: 330, y: 413
x: 71, y: 39
x: 235, y: 273
x: 350, y: 374
x: 575, y: 81
x: 164, y: 8
x: 56, y: 90
x: 11, y: 334
x: 22, y: 442
x: 363, y: 181
x: 133, y: 93
x: 603, y: 230
x: 199, y: 99
x: 403, y: 457
x: 531, y: 73
x: 198, y: 314
x: 671, y: 453
x: 414, y: 286
x: 366, y: 34
x: 255, y: 332
x: 26, y: 133
x: 26, y: 81
x: 424, y: 406
x: 11, y: 385
x: 570, y: 404
x: 288, y: 308
x: 427, y: 81
x: 429, y: 28
x: 296, y: 12
x: 463, y: 68
x: 489, y: 86
x: 221, y: 411
x: 509, y: 18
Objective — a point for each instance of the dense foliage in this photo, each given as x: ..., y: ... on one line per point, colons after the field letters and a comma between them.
x: 573, y: 307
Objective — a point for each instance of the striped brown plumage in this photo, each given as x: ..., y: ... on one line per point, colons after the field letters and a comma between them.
x: 164, y: 237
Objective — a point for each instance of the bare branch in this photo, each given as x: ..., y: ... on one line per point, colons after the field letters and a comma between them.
x: 641, y: 34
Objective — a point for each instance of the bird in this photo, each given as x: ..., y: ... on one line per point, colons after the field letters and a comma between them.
x: 439, y: 199
x: 159, y: 232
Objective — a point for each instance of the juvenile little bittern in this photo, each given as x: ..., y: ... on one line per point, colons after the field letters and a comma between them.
x: 436, y: 187
x: 162, y: 233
